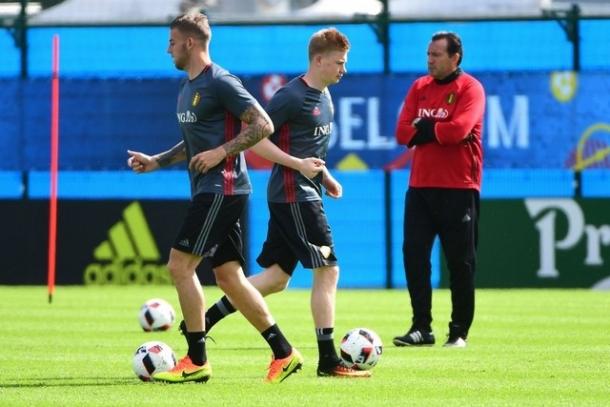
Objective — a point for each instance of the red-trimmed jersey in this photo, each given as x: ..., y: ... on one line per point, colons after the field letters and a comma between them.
x: 302, y: 117
x: 208, y: 110
x: 455, y: 159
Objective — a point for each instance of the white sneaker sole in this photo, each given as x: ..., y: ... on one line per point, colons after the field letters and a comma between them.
x: 459, y: 343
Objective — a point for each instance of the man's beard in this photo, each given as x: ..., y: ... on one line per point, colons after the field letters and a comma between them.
x: 181, y: 64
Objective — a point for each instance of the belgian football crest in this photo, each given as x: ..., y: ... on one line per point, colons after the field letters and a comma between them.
x: 196, y: 99
x: 450, y: 98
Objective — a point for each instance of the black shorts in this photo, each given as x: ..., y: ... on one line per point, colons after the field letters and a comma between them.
x: 297, y: 231
x: 211, y: 228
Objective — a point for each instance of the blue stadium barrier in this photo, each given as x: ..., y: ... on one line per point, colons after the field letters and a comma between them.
x: 596, y: 183
x: 517, y: 45
x: 527, y: 183
x: 10, y: 55
x: 102, y: 51
x: 111, y: 185
x: 357, y: 222
x: 11, y: 185
x: 592, y: 54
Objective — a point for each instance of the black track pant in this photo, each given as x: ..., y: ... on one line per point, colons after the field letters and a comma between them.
x: 453, y: 215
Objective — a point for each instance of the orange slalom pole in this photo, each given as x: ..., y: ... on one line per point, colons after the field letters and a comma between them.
x: 54, y: 168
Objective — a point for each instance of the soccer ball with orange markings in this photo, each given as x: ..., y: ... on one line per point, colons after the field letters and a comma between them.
x: 156, y: 315
x: 152, y: 357
x: 361, y: 349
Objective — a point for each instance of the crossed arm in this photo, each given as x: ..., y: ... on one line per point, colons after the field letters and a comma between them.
x: 413, y: 130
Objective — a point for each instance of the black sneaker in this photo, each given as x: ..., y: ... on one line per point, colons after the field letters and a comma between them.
x: 415, y: 337
x: 455, y: 341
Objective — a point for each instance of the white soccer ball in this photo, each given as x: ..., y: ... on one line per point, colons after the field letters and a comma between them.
x: 153, y: 357
x: 361, y: 348
x: 156, y: 315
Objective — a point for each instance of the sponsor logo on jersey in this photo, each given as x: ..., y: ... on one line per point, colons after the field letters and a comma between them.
x: 439, y: 113
x: 324, y: 130
x: 186, y: 117
x: 316, y: 111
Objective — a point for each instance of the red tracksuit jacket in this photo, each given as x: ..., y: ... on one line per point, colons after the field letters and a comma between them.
x: 457, y: 107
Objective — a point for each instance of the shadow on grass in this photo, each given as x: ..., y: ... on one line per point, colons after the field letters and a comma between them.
x: 250, y: 348
x: 70, y: 382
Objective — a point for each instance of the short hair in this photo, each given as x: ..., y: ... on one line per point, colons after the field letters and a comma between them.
x: 193, y: 24
x: 454, y: 43
x: 327, y: 39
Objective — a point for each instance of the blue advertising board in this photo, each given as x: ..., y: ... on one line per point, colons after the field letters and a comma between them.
x: 533, y: 120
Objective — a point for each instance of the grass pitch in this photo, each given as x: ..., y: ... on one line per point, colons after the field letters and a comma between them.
x: 526, y: 347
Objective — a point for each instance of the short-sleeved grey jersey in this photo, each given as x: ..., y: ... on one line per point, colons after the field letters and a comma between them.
x: 303, y: 118
x: 208, y: 111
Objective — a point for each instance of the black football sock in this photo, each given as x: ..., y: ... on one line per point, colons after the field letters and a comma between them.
x: 196, y: 342
x: 326, y: 348
x: 218, y: 311
x: 278, y: 343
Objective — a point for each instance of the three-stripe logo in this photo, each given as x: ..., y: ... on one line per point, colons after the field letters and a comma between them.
x: 129, y: 255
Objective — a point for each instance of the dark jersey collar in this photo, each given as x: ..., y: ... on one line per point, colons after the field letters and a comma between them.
x: 450, y: 78
x: 204, y: 70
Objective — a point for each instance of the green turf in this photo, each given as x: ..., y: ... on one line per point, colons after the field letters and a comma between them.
x: 527, y: 347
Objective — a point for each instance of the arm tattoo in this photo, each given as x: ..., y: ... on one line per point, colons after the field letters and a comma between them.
x: 173, y: 155
x: 259, y: 127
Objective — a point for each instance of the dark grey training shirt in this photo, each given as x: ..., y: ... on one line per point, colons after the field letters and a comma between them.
x: 208, y: 111
x: 303, y: 118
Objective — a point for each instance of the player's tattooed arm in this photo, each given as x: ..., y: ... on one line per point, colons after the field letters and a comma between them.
x: 140, y: 162
x: 172, y: 156
x: 259, y: 126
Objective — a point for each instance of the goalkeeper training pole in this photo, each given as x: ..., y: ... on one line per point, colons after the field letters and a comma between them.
x: 54, y: 167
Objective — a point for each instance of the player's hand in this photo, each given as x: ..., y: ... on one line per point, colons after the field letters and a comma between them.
x: 140, y: 162
x: 207, y: 160
x: 310, y: 167
x: 425, y: 132
x: 332, y: 186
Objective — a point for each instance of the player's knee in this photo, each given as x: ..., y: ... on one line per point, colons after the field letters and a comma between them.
x: 333, y: 273
x: 229, y: 276
x: 280, y: 283
x: 176, y: 271
x: 329, y: 275
x: 224, y: 281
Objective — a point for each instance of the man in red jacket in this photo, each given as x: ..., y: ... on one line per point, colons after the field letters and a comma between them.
x: 442, y: 119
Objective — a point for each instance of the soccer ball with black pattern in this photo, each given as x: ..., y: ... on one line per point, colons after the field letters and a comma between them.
x: 152, y: 357
x: 361, y: 349
x: 156, y: 315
